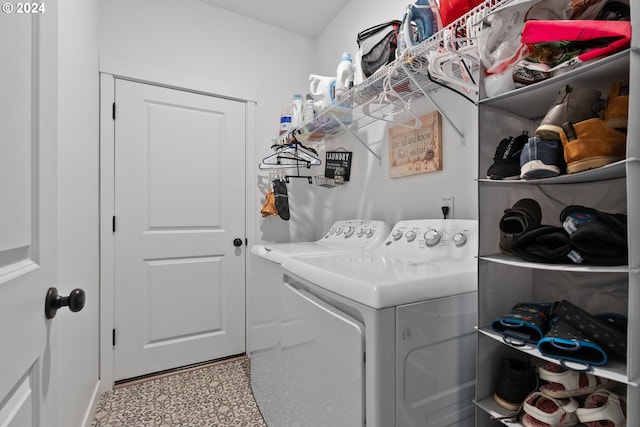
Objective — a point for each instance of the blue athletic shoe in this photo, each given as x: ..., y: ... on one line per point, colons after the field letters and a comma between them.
x: 541, y: 158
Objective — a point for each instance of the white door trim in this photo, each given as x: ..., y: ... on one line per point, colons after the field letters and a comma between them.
x: 107, y: 193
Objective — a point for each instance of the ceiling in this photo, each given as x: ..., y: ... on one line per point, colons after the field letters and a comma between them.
x: 305, y: 17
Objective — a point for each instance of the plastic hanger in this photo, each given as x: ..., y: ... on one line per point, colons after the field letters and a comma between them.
x: 389, y: 97
x: 451, y: 65
x: 293, y: 154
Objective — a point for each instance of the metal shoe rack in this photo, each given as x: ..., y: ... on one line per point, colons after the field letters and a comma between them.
x: 393, y: 88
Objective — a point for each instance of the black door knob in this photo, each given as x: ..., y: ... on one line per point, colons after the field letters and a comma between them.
x: 237, y: 242
x: 53, y: 301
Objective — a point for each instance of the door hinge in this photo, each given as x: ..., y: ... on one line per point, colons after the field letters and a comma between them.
x: 113, y: 337
x: 113, y: 110
x: 246, y: 241
x: 113, y: 223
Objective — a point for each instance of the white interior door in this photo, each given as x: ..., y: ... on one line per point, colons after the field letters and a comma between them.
x: 179, y: 206
x: 28, y: 212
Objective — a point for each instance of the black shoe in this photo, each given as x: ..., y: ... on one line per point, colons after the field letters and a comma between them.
x: 525, y: 215
x: 515, y: 381
x: 281, y: 198
x: 614, y: 11
x: 506, y: 162
x: 599, y: 237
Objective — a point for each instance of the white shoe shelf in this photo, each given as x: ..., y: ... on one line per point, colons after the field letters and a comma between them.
x: 505, y: 280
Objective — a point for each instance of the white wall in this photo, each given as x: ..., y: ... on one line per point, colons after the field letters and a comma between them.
x: 78, y: 207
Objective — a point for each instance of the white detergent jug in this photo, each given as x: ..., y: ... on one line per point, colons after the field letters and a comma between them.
x: 322, y: 89
x: 344, y: 75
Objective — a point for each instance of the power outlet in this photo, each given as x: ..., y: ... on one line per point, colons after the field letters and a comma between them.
x: 447, y: 201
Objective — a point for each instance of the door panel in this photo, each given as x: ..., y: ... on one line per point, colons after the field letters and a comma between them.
x: 179, y: 204
x: 28, y: 227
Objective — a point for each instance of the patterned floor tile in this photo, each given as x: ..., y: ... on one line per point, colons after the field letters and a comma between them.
x: 214, y: 396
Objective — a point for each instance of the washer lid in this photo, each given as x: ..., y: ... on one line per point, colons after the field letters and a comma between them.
x: 343, y: 236
x: 278, y: 252
x: 380, y: 281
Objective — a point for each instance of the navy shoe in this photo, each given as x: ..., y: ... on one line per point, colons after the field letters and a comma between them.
x: 541, y: 158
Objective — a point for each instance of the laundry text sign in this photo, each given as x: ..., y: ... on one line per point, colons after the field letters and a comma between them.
x: 415, y: 151
x: 340, y: 162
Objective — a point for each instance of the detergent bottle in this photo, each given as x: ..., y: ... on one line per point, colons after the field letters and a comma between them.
x: 296, y: 111
x: 344, y: 74
x: 322, y: 89
x: 420, y: 21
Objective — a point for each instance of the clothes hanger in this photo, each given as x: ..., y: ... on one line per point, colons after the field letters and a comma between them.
x: 452, y: 64
x: 290, y: 155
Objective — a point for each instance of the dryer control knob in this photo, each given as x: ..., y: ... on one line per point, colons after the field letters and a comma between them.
x: 411, y: 235
x: 360, y: 232
x: 338, y: 231
x: 397, y: 234
x: 369, y: 232
x: 459, y: 239
x: 349, y: 231
x: 432, y: 237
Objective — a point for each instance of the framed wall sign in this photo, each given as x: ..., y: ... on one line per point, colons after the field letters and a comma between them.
x: 416, y: 151
x: 338, y: 165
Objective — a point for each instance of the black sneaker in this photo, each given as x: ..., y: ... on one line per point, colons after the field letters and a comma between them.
x: 506, y: 162
x: 525, y: 215
x: 516, y: 380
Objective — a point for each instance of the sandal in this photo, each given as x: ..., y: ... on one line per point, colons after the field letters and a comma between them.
x: 563, y: 382
x: 545, y: 411
x: 603, y: 409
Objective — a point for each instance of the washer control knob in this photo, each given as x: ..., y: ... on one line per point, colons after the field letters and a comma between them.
x: 459, y: 239
x: 338, y: 231
x: 432, y: 237
x: 360, y: 232
x: 397, y: 234
x: 411, y: 235
x: 332, y: 230
x: 349, y: 231
x: 369, y: 232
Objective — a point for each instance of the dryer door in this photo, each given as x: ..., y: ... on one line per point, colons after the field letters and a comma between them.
x: 323, y: 361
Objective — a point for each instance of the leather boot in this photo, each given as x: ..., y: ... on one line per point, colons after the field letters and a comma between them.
x: 573, y: 104
x: 590, y: 144
x: 616, y: 113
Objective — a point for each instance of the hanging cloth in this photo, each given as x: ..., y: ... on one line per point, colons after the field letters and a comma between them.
x: 281, y: 198
x: 269, y: 207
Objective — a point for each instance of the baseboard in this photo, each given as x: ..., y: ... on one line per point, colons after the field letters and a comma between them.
x: 91, y: 410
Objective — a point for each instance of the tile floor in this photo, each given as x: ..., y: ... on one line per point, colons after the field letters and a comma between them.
x: 218, y: 395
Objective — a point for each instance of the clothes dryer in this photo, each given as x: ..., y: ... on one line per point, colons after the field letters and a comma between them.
x: 265, y: 321
x: 384, y: 337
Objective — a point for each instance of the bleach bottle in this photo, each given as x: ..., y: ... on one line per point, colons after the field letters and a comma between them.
x: 420, y: 21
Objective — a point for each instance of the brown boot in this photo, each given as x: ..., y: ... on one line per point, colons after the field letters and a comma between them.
x: 573, y: 104
x: 590, y: 144
x: 616, y: 113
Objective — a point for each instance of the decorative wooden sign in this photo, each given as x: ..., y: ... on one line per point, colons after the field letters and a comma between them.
x: 415, y: 151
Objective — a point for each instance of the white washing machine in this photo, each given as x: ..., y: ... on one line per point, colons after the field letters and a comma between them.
x: 384, y: 337
x: 265, y: 321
